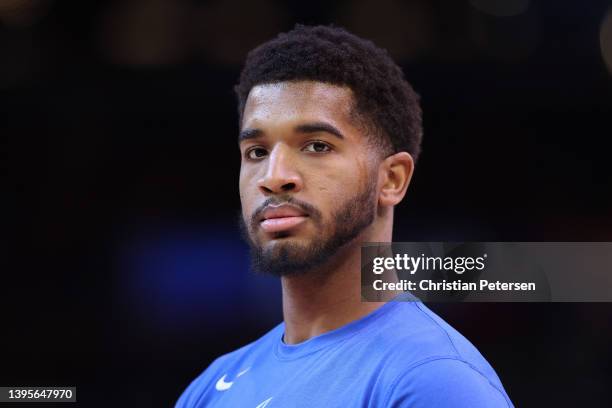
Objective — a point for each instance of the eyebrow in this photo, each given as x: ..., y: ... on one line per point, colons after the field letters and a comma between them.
x: 313, y: 127
x: 247, y: 134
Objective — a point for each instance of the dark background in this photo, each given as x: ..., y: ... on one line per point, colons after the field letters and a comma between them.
x: 122, y: 270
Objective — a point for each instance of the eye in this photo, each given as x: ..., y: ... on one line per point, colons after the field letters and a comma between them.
x: 256, y: 153
x: 317, y: 147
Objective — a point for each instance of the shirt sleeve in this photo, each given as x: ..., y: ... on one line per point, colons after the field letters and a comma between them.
x: 445, y: 383
x: 193, y: 394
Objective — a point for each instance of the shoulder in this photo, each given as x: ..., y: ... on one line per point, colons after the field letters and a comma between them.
x: 232, y: 361
x: 412, y: 330
x: 445, y: 382
x: 415, y: 332
x: 424, y: 357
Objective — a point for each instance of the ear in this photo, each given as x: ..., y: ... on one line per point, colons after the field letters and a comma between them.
x: 395, y: 172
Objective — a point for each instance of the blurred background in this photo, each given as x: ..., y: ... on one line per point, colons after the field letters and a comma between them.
x: 122, y: 270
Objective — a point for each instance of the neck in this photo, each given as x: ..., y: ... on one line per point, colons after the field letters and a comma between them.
x: 329, y: 297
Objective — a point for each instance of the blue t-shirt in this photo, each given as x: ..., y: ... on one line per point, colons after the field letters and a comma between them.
x: 400, y: 355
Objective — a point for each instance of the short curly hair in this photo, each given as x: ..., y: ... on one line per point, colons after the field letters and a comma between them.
x: 384, y: 101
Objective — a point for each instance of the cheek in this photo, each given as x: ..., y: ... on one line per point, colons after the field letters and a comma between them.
x: 250, y: 195
x: 333, y: 188
x: 245, y: 187
x: 349, y: 178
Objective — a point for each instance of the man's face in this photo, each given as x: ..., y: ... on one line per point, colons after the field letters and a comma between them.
x: 307, y: 178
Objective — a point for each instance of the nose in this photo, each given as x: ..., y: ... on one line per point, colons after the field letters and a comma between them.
x: 281, y: 175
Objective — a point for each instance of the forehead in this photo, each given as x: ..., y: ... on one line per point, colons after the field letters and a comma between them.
x: 307, y: 100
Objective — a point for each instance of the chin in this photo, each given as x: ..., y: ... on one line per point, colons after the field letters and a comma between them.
x: 285, y: 240
x: 295, y: 235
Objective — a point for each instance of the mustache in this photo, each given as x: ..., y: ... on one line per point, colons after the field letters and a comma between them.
x: 307, y: 208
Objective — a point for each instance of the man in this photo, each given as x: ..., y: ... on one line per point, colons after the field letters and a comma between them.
x: 329, y: 134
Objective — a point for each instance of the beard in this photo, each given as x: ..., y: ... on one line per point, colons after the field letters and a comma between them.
x: 287, y: 258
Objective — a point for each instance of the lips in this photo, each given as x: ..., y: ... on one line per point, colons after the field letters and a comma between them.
x: 281, y: 218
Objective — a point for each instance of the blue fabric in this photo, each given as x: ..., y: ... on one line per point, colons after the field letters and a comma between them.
x: 400, y: 355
